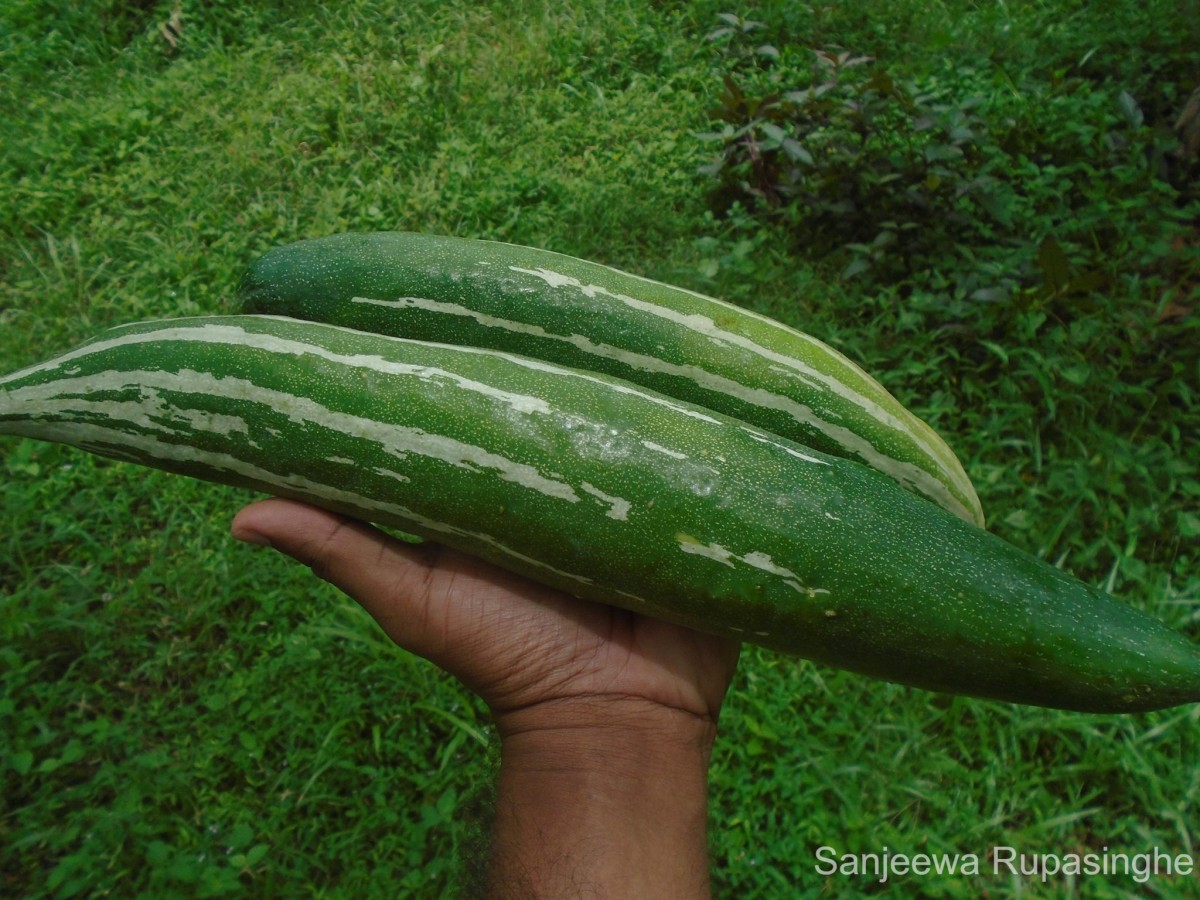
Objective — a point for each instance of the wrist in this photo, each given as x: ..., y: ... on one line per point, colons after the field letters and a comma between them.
x: 615, y: 729
x: 607, y: 792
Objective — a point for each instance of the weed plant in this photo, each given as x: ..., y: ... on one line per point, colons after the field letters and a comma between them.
x: 976, y: 201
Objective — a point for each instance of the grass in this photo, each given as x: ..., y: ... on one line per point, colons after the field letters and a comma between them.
x: 183, y: 716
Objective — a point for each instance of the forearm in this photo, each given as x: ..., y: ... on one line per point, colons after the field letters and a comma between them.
x: 612, y: 805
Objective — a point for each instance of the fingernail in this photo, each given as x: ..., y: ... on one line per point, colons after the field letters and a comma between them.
x: 253, y: 537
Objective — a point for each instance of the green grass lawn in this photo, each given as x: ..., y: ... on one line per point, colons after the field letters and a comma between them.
x: 184, y: 716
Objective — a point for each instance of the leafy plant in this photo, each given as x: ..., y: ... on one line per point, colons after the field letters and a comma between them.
x: 855, y: 160
x: 980, y: 185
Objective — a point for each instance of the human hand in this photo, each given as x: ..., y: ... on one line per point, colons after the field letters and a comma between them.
x: 606, y: 717
x: 518, y: 645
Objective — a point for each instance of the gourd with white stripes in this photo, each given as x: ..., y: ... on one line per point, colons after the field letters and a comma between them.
x: 589, y: 316
x: 611, y: 492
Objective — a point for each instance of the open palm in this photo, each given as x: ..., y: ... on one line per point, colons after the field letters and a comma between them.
x: 517, y: 644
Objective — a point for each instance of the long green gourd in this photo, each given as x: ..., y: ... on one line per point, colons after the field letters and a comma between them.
x: 589, y: 316
x: 611, y: 492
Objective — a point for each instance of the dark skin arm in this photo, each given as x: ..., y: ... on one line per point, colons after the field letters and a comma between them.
x: 606, y: 718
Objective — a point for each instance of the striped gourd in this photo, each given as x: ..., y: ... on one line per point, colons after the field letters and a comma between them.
x: 611, y: 492
x: 589, y: 316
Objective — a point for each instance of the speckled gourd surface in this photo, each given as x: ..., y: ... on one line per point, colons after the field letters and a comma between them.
x: 585, y: 315
x: 609, y: 491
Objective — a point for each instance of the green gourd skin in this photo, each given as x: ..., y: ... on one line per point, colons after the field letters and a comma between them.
x: 581, y: 314
x: 611, y: 492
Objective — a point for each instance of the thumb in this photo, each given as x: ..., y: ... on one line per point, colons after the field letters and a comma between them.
x: 429, y: 599
x: 393, y: 580
x: 343, y: 551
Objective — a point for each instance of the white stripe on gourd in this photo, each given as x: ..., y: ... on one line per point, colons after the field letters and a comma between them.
x: 159, y: 420
x: 910, y: 475
x: 150, y: 412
